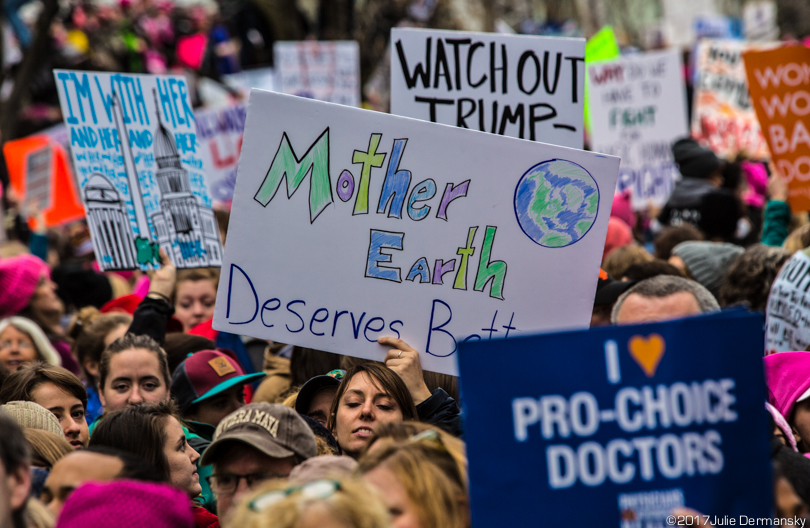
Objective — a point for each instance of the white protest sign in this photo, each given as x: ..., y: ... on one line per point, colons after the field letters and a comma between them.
x: 406, y: 228
x: 326, y: 71
x: 219, y: 133
x: 134, y: 146
x: 787, y: 320
x: 514, y: 85
x: 638, y: 109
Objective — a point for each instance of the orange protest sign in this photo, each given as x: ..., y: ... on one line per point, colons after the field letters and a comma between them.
x: 779, y: 81
x: 39, y: 169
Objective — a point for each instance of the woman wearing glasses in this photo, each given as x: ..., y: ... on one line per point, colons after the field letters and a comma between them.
x: 345, y: 503
x: 22, y: 341
x: 153, y: 432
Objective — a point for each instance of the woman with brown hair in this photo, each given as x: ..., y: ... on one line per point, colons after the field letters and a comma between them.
x: 195, y: 293
x: 369, y: 395
x: 57, y: 390
x: 133, y: 370
x: 153, y: 432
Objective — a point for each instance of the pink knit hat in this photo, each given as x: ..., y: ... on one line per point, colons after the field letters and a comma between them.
x: 622, y: 207
x: 19, y: 277
x: 787, y: 375
x: 126, y: 504
x: 757, y: 178
x: 618, y: 234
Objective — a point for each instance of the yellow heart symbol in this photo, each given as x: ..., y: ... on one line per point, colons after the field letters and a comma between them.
x: 647, y: 352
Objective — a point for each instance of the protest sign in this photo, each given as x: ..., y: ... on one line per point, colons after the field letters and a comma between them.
x: 759, y: 20
x: 521, y: 86
x: 135, y: 150
x: 717, y: 27
x: 326, y: 71
x: 40, y: 171
x: 600, y: 47
x: 219, y: 133
x: 638, y: 109
x: 787, y: 318
x: 779, y: 80
x: 722, y: 116
x: 406, y: 228
x: 616, y: 426
x: 679, y: 20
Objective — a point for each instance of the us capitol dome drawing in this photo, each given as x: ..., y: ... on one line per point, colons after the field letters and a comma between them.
x: 186, y: 231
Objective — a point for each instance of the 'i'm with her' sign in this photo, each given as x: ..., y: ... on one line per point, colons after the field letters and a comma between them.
x: 133, y: 139
x: 349, y: 225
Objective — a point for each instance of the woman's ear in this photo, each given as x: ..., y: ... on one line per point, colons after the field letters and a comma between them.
x: 91, y: 367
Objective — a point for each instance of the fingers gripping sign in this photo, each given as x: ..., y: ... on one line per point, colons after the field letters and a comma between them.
x: 404, y: 360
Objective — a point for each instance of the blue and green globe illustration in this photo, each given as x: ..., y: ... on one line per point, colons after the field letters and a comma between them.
x: 556, y: 203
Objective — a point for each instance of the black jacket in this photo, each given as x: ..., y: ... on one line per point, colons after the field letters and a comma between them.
x: 713, y: 210
x: 442, y: 411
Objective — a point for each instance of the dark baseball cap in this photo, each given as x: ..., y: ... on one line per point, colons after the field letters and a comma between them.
x: 314, y: 386
x: 274, y: 429
x: 205, y: 374
x: 608, y: 289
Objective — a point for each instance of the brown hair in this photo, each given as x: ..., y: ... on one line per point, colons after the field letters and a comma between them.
x: 382, y: 378
x: 622, y: 258
x: 14, y: 457
x: 128, y: 342
x: 306, y: 363
x: 749, y: 278
x: 139, y: 429
x: 46, y: 448
x: 430, y: 477
x: 179, y: 345
x: 672, y: 236
x: 89, y: 330
x: 22, y: 382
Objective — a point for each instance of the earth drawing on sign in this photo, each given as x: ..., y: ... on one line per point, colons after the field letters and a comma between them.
x: 556, y: 203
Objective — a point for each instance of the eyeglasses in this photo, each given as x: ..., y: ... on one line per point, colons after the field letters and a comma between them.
x: 228, y: 483
x: 317, y: 489
x: 22, y: 345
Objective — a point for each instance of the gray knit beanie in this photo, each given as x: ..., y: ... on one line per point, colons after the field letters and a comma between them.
x: 707, y: 262
x: 30, y: 415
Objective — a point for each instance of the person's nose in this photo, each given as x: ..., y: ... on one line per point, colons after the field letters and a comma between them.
x: 367, y: 410
x: 193, y: 455
x: 135, y: 396
x: 72, y: 428
x: 241, y: 487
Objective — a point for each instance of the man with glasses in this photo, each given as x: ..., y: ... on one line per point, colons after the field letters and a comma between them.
x: 258, y: 442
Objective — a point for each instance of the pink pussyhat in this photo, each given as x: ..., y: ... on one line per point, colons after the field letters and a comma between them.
x: 126, y: 504
x: 19, y: 277
x: 782, y: 424
x: 787, y: 375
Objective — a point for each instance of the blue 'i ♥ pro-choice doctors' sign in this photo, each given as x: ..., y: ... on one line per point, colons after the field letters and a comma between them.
x: 617, y: 426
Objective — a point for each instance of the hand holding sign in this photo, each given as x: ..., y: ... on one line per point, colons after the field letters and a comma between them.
x: 404, y: 360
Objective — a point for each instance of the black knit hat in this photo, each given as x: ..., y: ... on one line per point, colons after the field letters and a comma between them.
x: 693, y: 160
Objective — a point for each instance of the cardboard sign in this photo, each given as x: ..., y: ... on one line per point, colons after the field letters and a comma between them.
x: 722, y: 116
x: 406, y: 228
x: 513, y: 85
x: 638, y: 109
x: 630, y: 421
x: 219, y: 133
x: 134, y: 144
x: 39, y: 170
x: 779, y: 80
x: 788, y: 316
x: 326, y: 71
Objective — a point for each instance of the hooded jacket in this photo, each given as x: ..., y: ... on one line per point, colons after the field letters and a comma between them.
x: 695, y: 201
x: 787, y: 375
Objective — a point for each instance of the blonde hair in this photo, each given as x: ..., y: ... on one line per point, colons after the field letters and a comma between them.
x: 354, y: 505
x: 620, y: 259
x: 37, y: 515
x: 401, y: 431
x: 46, y: 448
x: 430, y: 477
x: 289, y: 400
x: 797, y: 240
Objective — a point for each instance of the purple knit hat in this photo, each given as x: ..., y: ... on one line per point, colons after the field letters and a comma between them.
x: 126, y: 504
x: 19, y: 277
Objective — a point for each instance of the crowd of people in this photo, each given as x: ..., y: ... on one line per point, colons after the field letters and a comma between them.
x: 122, y: 406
